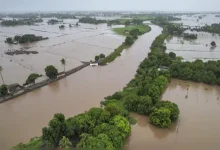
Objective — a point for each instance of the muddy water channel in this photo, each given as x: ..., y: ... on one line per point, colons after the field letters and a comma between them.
x: 23, y: 118
x: 197, y: 128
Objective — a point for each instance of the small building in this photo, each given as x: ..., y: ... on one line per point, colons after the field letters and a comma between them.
x: 14, y: 88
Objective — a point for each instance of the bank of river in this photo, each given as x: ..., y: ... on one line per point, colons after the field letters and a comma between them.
x: 27, y: 114
x: 198, y: 127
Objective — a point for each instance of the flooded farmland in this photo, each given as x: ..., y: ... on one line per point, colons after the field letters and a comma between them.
x: 76, y: 44
x: 23, y: 118
x: 30, y: 112
x: 200, y: 48
x: 198, y: 124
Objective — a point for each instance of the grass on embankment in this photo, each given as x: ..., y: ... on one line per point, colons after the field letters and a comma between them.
x: 125, y: 31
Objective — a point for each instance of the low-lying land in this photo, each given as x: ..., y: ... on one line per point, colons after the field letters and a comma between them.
x: 109, y: 127
x: 25, y: 39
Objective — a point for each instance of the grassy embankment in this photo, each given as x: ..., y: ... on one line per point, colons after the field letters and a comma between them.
x: 125, y: 32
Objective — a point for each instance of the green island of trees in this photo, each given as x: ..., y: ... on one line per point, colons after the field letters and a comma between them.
x: 190, y: 36
x: 16, y: 22
x: 91, y: 20
x: 25, y: 39
x: 54, y: 21
x: 132, y: 33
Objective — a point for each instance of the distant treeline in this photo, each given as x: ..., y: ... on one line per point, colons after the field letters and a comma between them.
x: 91, y: 20
x: 54, y: 21
x: 43, y: 15
x: 15, y: 22
x: 214, y: 28
x: 24, y: 39
x: 190, y: 36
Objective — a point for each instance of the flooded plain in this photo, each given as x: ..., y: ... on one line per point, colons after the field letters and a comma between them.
x: 24, y: 117
x: 200, y: 48
x: 76, y: 44
x: 198, y: 124
x: 191, y: 50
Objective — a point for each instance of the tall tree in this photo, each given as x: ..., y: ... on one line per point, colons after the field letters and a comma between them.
x: 63, y: 62
x: 1, y: 69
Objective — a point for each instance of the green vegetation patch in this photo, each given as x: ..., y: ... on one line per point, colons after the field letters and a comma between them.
x: 126, y: 30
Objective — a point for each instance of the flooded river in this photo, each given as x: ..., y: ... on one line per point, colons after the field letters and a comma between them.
x: 198, y: 124
x: 24, y: 117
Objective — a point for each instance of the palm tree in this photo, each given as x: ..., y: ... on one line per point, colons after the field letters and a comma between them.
x: 63, y: 62
x: 1, y: 69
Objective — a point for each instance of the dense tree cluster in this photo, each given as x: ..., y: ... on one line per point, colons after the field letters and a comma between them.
x: 98, y: 57
x: 25, y: 39
x: 142, y: 94
x: 53, y: 21
x: 190, y: 36
x: 61, y: 26
x: 15, y: 22
x: 97, y: 128
x: 51, y: 72
x: 31, y: 78
x: 91, y: 20
x: 198, y: 71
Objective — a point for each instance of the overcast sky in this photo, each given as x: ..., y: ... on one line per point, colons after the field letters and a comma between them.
x: 110, y: 5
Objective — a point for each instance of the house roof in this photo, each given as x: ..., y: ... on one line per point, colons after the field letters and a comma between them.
x: 12, y: 87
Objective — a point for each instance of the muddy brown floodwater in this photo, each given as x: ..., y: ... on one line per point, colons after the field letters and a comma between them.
x: 24, y: 117
x: 198, y: 127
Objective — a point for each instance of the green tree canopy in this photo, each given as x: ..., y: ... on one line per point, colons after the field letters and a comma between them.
x: 65, y: 143
x: 31, y: 78
x: 101, y: 56
x: 82, y: 123
x: 173, y: 108
x: 160, y: 117
x: 213, y: 44
x: 100, y: 142
x: 129, y: 40
x: 55, y: 131
x: 51, y: 72
x: 3, y: 90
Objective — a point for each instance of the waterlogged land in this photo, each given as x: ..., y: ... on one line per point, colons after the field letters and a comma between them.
x: 199, y: 48
x: 106, y: 80
x: 197, y: 127
x: 74, y: 44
